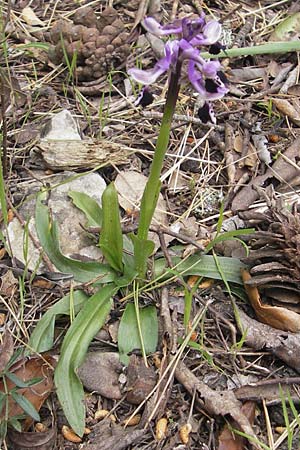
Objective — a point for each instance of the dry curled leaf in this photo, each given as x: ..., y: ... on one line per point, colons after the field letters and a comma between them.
x: 230, y: 441
x: 275, y: 316
x: 21, y: 440
x: 6, y: 349
x: 26, y: 370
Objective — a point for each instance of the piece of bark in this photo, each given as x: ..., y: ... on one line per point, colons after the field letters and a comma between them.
x: 77, y: 155
x: 216, y: 403
x: 269, y: 390
x: 284, y: 345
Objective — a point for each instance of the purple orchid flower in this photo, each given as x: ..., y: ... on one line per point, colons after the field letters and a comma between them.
x: 206, y: 76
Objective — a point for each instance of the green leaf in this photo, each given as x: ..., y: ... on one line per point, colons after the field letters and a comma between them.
x: 143, y: 248
x: 201, y: 265
x: 262, y: 49
x: 287, y: 29
x: 89, y: 206
x: 3, y: 397
x: 16, y: 380
x: 227, y: 235
x: 85, y: 326
x: 111, y: 239
x: 41, y: 45
x: 42, y: 337
x: 17, y: 354
x: 3, y: 429
x: 26, y: 405
x: 15, y: 423
x: 128, y: 334
x: 47, y: 231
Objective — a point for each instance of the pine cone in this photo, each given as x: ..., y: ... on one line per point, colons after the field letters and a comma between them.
x: 274, y: 257
x: 99, y: 44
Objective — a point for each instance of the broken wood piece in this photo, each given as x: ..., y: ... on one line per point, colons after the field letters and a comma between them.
x: 77, y: 155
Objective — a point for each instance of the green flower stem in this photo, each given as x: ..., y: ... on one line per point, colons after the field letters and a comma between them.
x: 152, y: 188
x: 270, y: 47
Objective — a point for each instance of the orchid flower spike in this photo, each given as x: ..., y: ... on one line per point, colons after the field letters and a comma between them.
x: 192, y: 35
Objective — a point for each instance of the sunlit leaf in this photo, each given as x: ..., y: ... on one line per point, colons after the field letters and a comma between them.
x: 143, y: 248
x: 42, y: 337
x: 84, y: 327
x: 288, y: 29
x: 201, y: 265
x: 89, y: 206
x: 111, y: 239
x: 128, y: 334
x: 48, y: 235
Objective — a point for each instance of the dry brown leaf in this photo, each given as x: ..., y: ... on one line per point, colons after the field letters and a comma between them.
x: 231, y: 441
x: 251, y: 158
x: 290, y: 108
x: 6, y: 349
x: 275, y: 316
x: 218, y: 403
x: 26, y: 370
x: 238, y: 142
x: 29, y: 16
x: 294, y: 90
x: 9, y: 284
x: 29, y: 440
x: 285, y: 168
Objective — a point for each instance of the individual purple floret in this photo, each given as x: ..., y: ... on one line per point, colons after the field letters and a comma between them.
x: 206, y: 76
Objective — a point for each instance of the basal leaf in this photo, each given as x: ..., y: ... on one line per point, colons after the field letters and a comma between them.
x: 89, y: 206
x: 111, y: 239
x: 47, y: 231
x: 85, y: 326
x: 202, y: 265
x: 143, y: 248
x: 128, y: 334
x: 41, y: 339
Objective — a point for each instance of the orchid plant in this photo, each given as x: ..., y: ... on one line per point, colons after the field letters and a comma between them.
x: 208, y: 80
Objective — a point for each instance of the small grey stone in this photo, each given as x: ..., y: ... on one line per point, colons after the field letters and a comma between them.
x: 61, y: 127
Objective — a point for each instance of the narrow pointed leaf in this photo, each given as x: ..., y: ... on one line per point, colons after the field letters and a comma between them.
x: 26, y: 405
x: 128, y: 334
x: 42, y: 337
x: 20, y: 383
x: 85, y: 326
x: 47, y: 231
x: 111, y: 239
x: 89, y: 206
